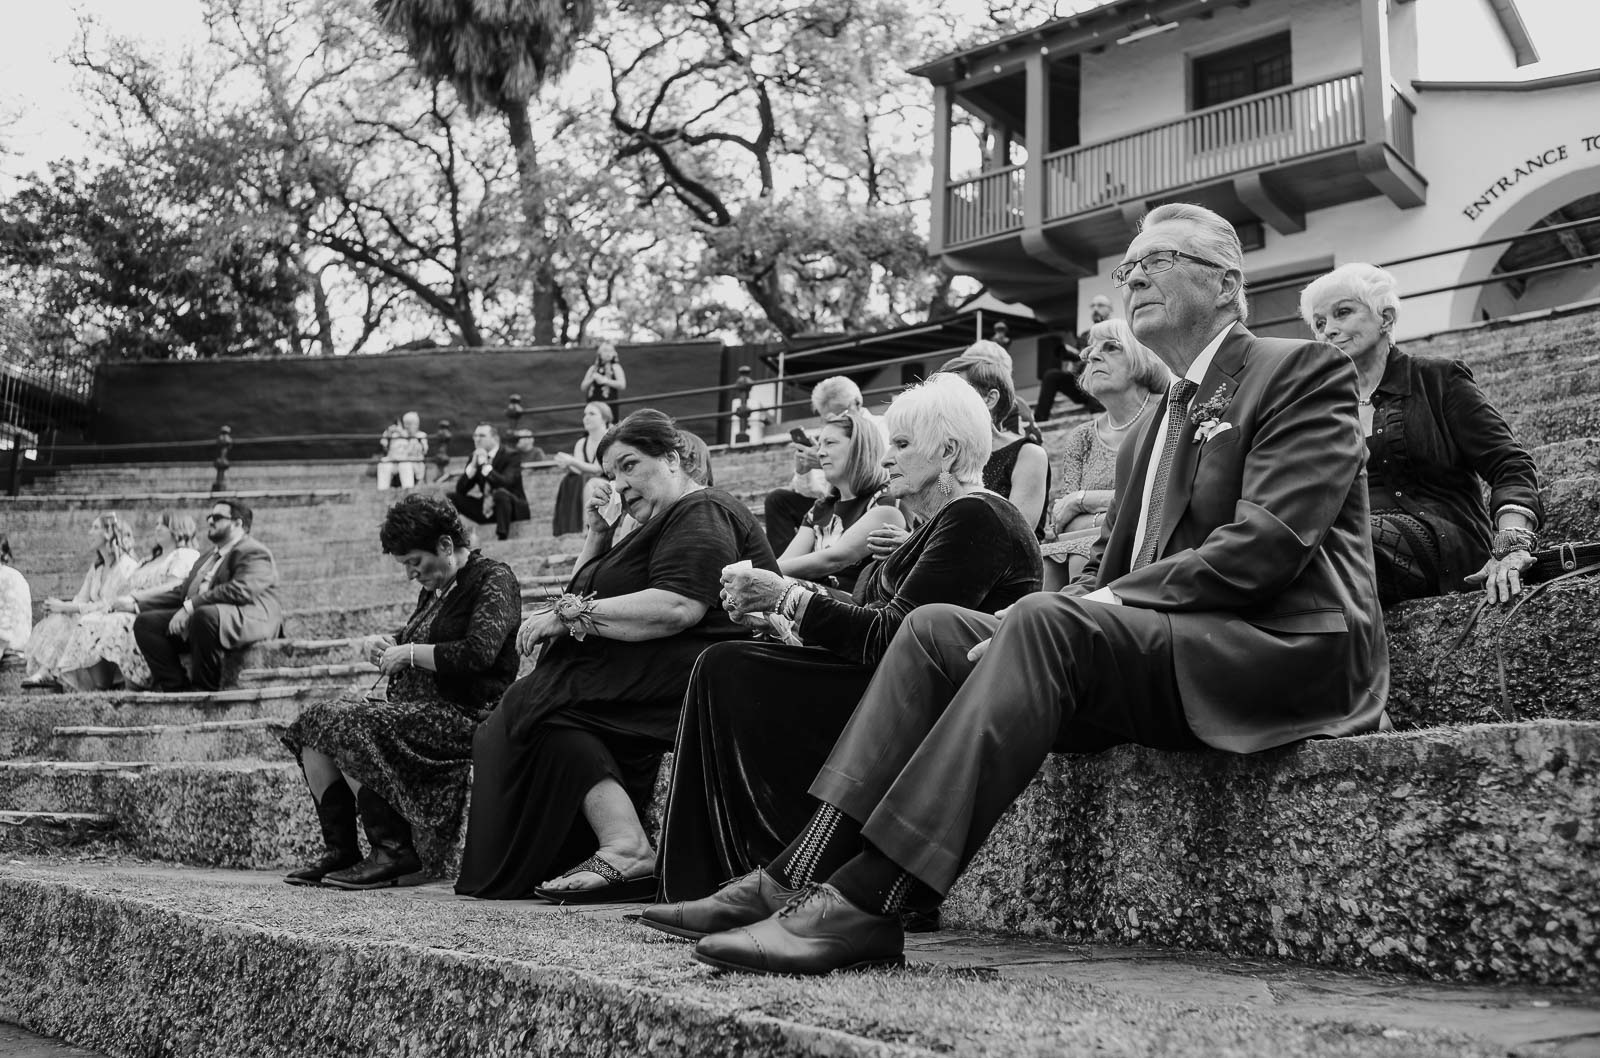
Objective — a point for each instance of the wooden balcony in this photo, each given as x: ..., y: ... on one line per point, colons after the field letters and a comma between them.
x: 1271, y: 157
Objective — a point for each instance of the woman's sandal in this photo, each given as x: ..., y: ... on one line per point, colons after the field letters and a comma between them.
x: 617, y: 890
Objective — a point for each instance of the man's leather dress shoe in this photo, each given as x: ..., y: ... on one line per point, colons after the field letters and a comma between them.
x: 742, y: 902
x: 817, y: 933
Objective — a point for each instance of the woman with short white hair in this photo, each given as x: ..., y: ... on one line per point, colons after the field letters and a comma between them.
x: 760, y: 717
x: 1431, y: 435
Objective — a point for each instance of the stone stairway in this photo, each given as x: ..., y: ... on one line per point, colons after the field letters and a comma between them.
x: 1465, y: 847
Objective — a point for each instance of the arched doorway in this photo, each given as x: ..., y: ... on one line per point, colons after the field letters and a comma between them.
x: 1571, y: 197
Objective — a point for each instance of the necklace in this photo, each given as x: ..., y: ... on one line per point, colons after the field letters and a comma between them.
x: 1114, y: 426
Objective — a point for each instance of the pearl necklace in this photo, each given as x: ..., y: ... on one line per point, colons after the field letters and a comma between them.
x: 1113, y: 426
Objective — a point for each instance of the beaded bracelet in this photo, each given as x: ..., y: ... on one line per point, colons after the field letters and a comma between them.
x: 784, y: 599
x: 1513, y: 539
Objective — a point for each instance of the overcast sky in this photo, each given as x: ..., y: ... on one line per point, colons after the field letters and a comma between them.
x: 36, y: 84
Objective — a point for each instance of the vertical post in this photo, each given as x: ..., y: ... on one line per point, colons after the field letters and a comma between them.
x: 1375, y: 70
x: 939, y: 200
x: 741, y: 407
x: 224, y: 442
x: 439, y: 448
x: 14, y: 488
x: 1036, y: 137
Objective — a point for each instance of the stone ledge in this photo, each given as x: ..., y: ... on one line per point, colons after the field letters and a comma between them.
x: 220, y: 740
x: 143, y: 961
x: 1464, y: 854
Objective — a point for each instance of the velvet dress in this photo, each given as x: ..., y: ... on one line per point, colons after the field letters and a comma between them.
x: 600, y: 708
x: 413, y: 746
x: 760, y: 718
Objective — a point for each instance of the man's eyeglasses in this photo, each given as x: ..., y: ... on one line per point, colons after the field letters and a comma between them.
x: 219, y: 518
x: 1155, y: 262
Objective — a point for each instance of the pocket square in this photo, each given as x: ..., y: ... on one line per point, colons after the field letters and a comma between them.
x: 1206, y: 431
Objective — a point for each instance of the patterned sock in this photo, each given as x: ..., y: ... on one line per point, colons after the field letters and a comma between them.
x: 873, y: 882
x: 828, y: 841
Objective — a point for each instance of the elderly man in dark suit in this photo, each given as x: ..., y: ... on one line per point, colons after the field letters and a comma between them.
x: 227, y: 603
x: 490, y: 488
x: 1230, y: 603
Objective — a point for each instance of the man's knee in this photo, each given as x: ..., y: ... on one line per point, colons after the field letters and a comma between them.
x: 205, y: 624
x: 151, y: 624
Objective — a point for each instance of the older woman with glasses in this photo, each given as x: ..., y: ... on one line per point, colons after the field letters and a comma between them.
x: 402, y: 758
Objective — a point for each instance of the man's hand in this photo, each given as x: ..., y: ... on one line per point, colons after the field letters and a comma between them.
x: 179, y: 625
x: 980, y: 648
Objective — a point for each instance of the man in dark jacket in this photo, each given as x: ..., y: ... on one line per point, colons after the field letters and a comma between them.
x: 490, y: 488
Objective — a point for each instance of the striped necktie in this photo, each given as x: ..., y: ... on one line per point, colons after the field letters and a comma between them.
x: 1177, y: 411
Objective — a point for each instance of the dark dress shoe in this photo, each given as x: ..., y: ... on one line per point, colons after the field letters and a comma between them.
x: 384, y: 869
x: 312, y: 874
x: 742, y: 902
x: 817, y: 933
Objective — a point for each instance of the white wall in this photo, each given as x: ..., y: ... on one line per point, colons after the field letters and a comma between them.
x: 1461, y: 40
x: 1466, y: 142
x: 1130, y: 86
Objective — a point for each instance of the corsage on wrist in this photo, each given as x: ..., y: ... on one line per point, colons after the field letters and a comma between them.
x: 1513, y: 539
x: 577, y: 613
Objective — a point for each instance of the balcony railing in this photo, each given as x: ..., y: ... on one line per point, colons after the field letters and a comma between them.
x: 990, y: 204
x: 1402, y: 117
x: 1210, y: 144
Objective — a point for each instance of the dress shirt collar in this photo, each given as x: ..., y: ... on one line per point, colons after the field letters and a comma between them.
x: 1202, y: 363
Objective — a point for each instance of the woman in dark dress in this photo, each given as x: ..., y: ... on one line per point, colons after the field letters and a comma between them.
x: 1431, y: 435
x: 564, y: 767
x: 582, y: 464
x: 401, y: 760
x: 760, y: 718
x: 1018, y: 467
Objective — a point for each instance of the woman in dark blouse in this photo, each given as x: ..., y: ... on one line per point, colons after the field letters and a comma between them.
x: 564, y: 767
x: 1431, y: 435
x: 830, y: 547
x: 760, y: 718
x: 401, y: 758
x: 1018, y: 467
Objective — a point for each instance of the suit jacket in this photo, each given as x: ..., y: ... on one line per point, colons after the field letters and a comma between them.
x: 1264, y: 550
x: 244, y: 591
x: 505, y: 472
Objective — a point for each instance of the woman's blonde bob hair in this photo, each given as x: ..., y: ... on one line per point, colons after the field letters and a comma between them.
x: 945, y: 410
x: 1366, y: 283
x: 1145, y: 368
x: 863, y: 461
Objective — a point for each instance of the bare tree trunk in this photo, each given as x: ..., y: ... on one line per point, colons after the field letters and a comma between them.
x: 544, y: 282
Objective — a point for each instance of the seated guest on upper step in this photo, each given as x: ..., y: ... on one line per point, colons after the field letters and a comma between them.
x: 696, y: 458
x: 490, y: 488
x: 1431, y: 435
x: 564, y: 767
x: 16, y: 608
x: 760, y: 718
x: 400, y: 759
x: 227, y: 602
x: 1125, y: 378
x: 830, y: 547
x: 1229, y: 604
x: 111, y: 562
x: 102, y: 652
x: 405, y: 447
x: 785, y: 508
x: 579, y: 466
x: 1018, y: 467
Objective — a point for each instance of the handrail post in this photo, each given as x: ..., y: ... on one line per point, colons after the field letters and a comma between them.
x: 741, y: 406
x: 439, y: 448
x: 224, y: 442
x: 14, y: 488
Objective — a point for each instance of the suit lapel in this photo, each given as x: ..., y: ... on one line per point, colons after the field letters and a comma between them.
x: 1219, y: 382
x: 1130, y: 491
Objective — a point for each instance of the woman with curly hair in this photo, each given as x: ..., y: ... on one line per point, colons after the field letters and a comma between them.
x: 401, y: 759
x: 113, y: 559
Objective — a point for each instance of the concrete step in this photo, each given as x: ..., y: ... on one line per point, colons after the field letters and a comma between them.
x: 1571, y: 509
x: 31, y: 833
x: 207, y: 740
x: 335, y: 622
x: 343, y: 674
x: 306, y: 652
x: 1577, y: 458
x: 1559, y: 420
x: 28, y: 723
x: 140, y: 960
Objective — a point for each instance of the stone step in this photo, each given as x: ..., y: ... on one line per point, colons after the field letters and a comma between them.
x: 141, y: 960
x: 279, y: 652
x: 343, y: 674
x: 28, y: 723
x: 1565, y: 419
x: 25, y: 833
x: 208, y: 740
x: 1571, y: 509
x: 1577, y: 458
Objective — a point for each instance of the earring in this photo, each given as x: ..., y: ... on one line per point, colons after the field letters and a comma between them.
x: 946, y: 484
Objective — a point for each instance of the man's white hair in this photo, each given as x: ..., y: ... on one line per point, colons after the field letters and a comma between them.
x: 1215, y: 239
x: 835, y: 395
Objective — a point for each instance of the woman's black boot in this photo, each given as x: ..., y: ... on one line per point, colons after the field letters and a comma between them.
x: 337, y: 814
x: 393, y: 861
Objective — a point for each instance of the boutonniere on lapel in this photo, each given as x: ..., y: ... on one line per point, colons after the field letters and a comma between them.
x: 1207, y: 418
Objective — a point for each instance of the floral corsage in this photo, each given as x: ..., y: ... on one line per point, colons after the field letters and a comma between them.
x: 1207, y: 418
x: 576, y: 612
